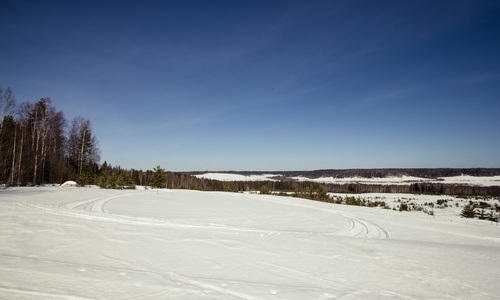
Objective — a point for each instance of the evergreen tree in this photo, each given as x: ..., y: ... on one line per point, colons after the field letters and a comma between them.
x: 323, y: 194
x: 468, y: 211
x: 87, y: 177
x: 264, y: 190
x: 106, y: 180
x: 159, y: 177
x: 125, y: 181
x: 492, y: 217
x: 482, y: 215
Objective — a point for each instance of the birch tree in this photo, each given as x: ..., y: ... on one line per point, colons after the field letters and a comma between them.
x: 82, y: 144
x: 7, y: 103
x: 40, y: 124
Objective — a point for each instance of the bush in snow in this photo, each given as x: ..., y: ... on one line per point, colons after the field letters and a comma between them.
x: 264, y: 190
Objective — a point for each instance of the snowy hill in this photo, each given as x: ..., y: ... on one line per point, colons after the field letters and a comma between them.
x: 80, y: 243
x: 396, y: 180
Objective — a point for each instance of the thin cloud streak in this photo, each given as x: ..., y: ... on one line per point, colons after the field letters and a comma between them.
x: 485, y: 77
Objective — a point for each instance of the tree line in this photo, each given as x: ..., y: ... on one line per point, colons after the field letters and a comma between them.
x: 172, y: 180
x: 431, y: 173
x: 37, y: 144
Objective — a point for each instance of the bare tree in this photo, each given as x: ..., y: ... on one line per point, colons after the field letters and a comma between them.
x: 82, y: 144
x: 40, y: 122
x: 7, y: 103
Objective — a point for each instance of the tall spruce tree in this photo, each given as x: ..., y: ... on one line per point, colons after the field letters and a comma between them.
x: 159, y: 177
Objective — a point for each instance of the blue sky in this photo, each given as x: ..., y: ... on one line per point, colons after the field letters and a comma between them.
x: 266, y: 85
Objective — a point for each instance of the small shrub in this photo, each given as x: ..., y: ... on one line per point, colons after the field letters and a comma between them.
x: 441, y: 201
x: 264, y: 190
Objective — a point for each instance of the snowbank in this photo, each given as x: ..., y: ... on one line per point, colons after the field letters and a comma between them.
x: 69, y: 184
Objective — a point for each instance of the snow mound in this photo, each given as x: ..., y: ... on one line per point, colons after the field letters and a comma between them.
x: 69, y: 184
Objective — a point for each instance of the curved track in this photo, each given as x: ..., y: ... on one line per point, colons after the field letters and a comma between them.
x: 96, y: 209
x: 361, y: 228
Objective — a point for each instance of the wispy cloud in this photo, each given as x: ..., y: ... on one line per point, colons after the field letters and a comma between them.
x: 480, y: 78
x: 376, y: 98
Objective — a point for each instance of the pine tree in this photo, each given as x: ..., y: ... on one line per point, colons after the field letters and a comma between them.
x: 468, y: 211
x: 264, y: 190
x: 124, y: 181
x: 87, y: 178
x: 492, y: 217
x: 481, y: 214
x: 159, y: 177
x: 107, y: 179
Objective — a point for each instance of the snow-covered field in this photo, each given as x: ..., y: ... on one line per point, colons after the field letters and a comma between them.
x: 403, y: 180
x: 237, y: 177
x: 87, y: 243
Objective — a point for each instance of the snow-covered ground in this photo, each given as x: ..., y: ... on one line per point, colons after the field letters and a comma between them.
x: 443, y: 206
x: 237, y: 177
x: 473, y: 180
x: 88, y: 243
x: 403, y: 180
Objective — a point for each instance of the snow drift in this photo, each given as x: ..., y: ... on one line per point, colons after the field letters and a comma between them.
x: 69, y: 184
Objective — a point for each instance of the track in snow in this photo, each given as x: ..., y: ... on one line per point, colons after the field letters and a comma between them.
x: 95, y: 205
x: 362, y: 228
x: 96, y: 209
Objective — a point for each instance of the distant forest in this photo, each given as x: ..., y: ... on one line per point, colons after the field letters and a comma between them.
x: 38, y: 145
x: 431, y: 173
x: 114, y: 177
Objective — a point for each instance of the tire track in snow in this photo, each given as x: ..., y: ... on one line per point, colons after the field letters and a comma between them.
x: 79, y: 204
x: 89, y: 214
x: 96, y: 204
x: 355, y: 227
x: 361, y: 228
x: 96, y: 209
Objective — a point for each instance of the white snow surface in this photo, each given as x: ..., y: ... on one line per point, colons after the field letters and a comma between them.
x: 473, y: 180
x: 89, y: 243
x: 403, y: 180
x: 237, y: 177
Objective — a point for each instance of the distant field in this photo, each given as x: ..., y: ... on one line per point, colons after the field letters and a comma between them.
x: 403, y: 180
